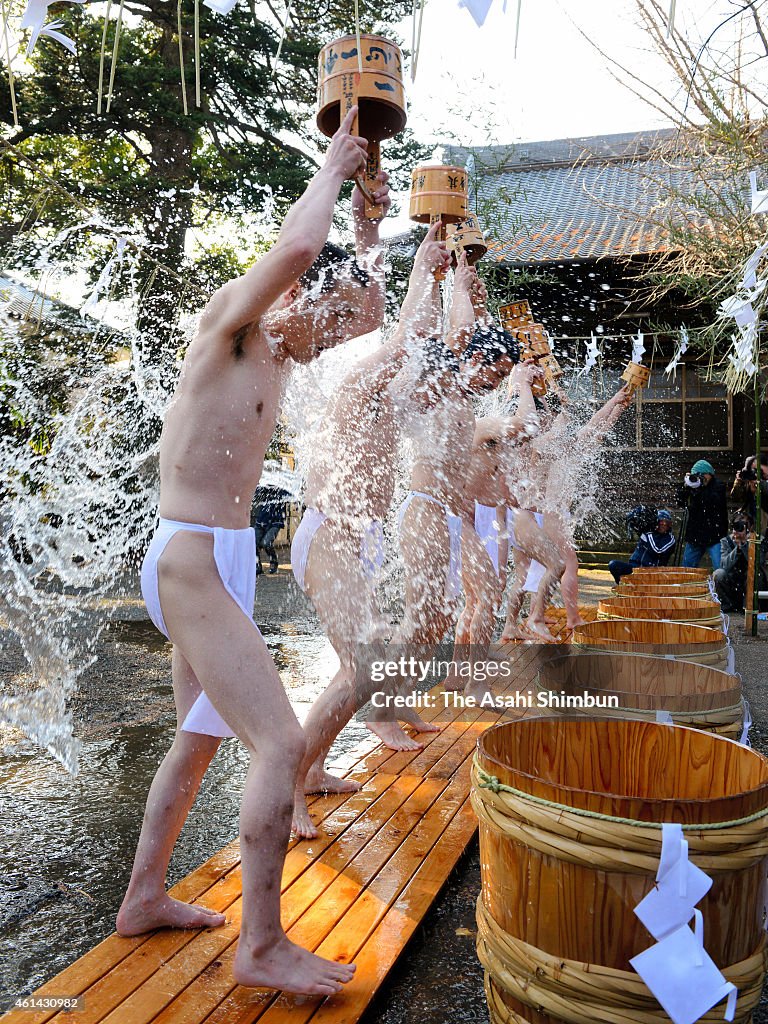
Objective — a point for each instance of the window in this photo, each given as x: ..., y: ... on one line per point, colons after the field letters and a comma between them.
x: 681, y: 412
x: 684, y: 411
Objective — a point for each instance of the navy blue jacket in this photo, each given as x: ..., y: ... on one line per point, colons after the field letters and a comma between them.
x: 653, y: 549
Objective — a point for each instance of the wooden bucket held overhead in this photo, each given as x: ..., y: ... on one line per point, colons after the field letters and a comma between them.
x: 438, y: 193
x: 570, y: 839
x: 466, y: 237
x: 679, y: 641
x: 377, y: 91
x: 515, y: 314
x: 636, y: 375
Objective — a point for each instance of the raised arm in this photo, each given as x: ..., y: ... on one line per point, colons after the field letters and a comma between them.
x: 304, y: 232
x: 608, y: 416
x: 370, y: 255
x: 421, y: 312
x: 521, y: 381
x: 463, y: 316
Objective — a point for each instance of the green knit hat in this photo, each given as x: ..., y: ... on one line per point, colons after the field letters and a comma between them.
x: 702, y: 466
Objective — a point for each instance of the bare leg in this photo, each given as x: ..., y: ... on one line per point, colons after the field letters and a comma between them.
x: 516, y: 597
x: 230, y: 659
x: 425, y: 548
x: 483, y: 589
x: 541, y: 544
x: 146, y: 905
x: 569, y: 588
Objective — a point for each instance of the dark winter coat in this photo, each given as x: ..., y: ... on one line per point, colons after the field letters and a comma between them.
x: 707, y: 513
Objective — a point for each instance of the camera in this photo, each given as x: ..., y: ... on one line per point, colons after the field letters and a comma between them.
x: 740, y: 526
x: 693, y: 479
x: 747, y: 475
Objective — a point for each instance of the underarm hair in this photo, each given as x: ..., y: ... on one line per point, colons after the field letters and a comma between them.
x: 238, y: 341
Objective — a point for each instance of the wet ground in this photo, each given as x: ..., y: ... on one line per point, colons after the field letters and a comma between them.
x: 68, y: 842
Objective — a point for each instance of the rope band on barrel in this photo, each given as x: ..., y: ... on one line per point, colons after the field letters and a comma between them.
x: 595, y: 840
x: 582, y: 993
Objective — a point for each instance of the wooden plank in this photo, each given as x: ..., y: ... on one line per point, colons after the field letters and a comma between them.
x: 172, y: 973
x: 117, y: 981
x: 324, y: 893
x: 376, y: 892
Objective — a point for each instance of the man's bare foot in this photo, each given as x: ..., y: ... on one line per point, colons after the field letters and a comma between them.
x: 409, y: 716
x: 320, y: 781
x: 512, y: 633
x: 302, y: 825
x: 136, y: 917
x: 538, y: 629
x: 287, y: 967
x: 392, y: 736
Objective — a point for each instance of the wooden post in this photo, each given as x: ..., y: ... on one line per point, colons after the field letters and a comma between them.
x: 750, y: 609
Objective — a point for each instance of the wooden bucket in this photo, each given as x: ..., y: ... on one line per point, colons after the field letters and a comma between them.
x: 559, y: 886
x: 681, y: 641
x: 652, y: 571
x: 377, y: 90
x: 695, y: 610
x: 515, y: 314
x: 665, y: 578
x: 438, y: 191
x: 467, y: 237
x: 636, y: 375
x: 699, y: 588
x: 641, y: 686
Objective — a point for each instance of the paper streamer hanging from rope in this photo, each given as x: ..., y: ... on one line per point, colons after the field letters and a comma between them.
x: 33, y: 18
x: 759, y: 196
x: 682, y: 348
x: 101, y: 288
x: 592, y: 353
x: 479, y: 10
x: 638, y: 348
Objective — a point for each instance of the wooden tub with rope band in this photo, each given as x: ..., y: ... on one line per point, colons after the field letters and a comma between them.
x: 638, y: 588
x: 570, y: 838
x: 680, y: 641
x: 641, y: 686
x: 697, y: 611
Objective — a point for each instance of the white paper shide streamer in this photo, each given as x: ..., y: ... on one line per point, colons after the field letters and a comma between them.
x: 34, y: 17
x: 682, y: 348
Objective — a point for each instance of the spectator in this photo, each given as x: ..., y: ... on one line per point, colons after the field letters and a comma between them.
x: 654, y: 547
x: 706, y: 500
x: 268, y: 522
x: 745, y: 488
x: 731, y: 577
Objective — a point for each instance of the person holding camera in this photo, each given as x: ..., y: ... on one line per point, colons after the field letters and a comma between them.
x: 744, y: 490
x: 706, y: 499
x: 654, y: 547
x: 731, y: 577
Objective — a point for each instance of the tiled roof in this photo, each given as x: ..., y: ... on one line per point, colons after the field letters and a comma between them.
x: 573, y: 199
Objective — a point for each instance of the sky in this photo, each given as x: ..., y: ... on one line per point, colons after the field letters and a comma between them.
x: 558, y: 86
x: 471, y: 89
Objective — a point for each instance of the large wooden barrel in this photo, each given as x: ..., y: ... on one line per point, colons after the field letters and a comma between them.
x: 678, y: 570
x: 695, y: 610
x: 638, y: 578
x: 378, y: 90
x: 438, y: 190
x: 641, y: 686
x: 570, y: 838
x: 677, y: 640
x: 637, y: 588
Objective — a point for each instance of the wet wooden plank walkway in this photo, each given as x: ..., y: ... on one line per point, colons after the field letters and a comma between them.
x: 358, y: 892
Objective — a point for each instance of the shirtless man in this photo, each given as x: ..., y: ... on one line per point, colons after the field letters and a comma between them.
x: 198, y: 575
x: 431, y: 516
x: 338, y: 548
x: 567, y: 457
x: 486, y: 487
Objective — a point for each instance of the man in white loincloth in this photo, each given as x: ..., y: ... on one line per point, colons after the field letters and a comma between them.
x: 199, y: 572
x: 338, y: 549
